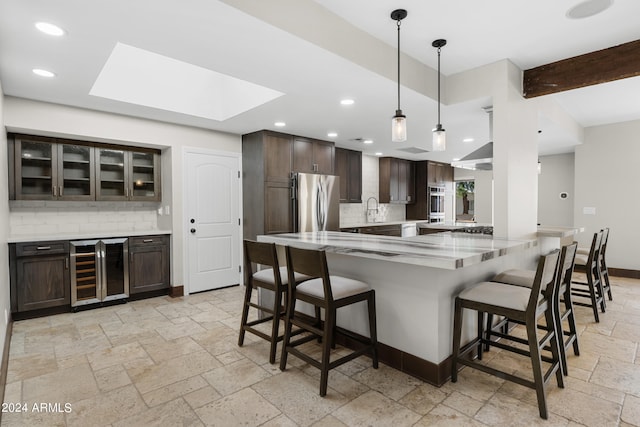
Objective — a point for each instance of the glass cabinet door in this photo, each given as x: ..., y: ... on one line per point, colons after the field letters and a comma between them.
x: 76, y: 182
x: 144, y: 176
x: 35, y: 169
x: 111, y: 174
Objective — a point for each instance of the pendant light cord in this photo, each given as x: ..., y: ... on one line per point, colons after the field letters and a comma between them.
x: 439, y: 85
x: 399, y: 64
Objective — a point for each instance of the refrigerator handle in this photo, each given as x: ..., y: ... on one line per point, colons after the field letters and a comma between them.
x: 294, y: 201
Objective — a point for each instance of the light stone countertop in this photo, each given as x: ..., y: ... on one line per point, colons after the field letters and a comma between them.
x: 422, y: 223
x: 554, y: 231
x: 441, y: 250
x: 84, y: 236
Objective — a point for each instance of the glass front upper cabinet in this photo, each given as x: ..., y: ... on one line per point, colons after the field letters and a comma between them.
x: 43, y: 168
x: 49, y: 171
x: 144, y: 176
x: 127, y: 175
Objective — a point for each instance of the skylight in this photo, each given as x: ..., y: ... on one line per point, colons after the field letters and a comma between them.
x: 137, y: 76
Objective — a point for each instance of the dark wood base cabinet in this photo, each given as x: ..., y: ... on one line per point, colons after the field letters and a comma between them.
x: 149, y: 263
x: 39, y: 275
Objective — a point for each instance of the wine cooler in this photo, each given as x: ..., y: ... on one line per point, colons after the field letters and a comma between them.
x: 99, y: 271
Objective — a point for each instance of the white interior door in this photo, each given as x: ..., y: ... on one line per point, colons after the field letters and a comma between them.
x: 212, y: 216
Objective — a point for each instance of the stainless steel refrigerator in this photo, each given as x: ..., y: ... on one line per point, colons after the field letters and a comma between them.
x: 317, y: 202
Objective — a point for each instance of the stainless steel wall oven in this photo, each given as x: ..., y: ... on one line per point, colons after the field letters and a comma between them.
x: 436, y: 203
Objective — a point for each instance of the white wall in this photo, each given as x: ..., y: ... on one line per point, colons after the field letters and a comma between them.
x: 5, y: 308
x: 606, y: 178
x: 557, y: 176
x: 21, y: 115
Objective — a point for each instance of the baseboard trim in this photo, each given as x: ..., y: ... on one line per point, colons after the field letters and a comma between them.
x: 433, y: 373
x: 623, y: 272
x: 176, y: 291
x: 5, y: 360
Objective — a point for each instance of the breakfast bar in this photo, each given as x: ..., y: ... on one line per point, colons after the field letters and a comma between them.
x: 415, y: 279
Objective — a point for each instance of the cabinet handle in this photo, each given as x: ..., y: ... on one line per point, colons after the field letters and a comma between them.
x: 43, y: 248
x: 126, y: 192
x: 55, y: 191
x: 147, y: 241
x: 66, y: 263
x: 60, y: 191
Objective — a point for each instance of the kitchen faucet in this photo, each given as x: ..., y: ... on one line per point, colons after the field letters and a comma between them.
x: 372, y: 213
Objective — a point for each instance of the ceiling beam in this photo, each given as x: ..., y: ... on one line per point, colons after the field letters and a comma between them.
x: 602, y: 66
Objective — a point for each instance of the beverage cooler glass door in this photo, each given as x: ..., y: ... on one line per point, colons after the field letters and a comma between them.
x: 99, y: 271
x: 85, y: 272
x: 115, y: 269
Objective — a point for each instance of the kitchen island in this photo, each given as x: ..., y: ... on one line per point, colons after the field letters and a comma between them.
x: 416, y: 280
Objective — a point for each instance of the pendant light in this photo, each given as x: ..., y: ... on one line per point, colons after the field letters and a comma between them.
x: 439, y: 136
x: 399, y: 121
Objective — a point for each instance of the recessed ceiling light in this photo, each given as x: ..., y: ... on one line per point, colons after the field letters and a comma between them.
x: 367, y: 141
x: 280, y: 124
x: 47, y: 28
x: 455, y: 159
x: 468, y: 140
x: 43, y: 73
x: 332, y: 134
x: 347, y: 102
x: 588, y: 8
x: 378, y: 153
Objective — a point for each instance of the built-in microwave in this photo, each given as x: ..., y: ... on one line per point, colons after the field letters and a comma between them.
x: 436, y: 203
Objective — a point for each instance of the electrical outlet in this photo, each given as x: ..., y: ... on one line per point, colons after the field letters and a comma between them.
x: 160, y: 210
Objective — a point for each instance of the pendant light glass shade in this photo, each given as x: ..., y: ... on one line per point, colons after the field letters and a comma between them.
x: 439, y: 135
x: 399, y: 121
x: 399, y: 127
x: 439, y: 139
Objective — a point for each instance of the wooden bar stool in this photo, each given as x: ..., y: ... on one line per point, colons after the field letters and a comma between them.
x: 520, y: 303
x: 274, y: 278
x: 591, y: 289
x: 526, y: 278
x: 604, y: 271
x: 328, y: 292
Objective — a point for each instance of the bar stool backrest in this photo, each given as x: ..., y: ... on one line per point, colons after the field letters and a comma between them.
x: 603, y: 244
x: 568, y: 256
x: 545, y: 273
x: 309, y: 262
x: 594, y: 252
x: 260, y: 253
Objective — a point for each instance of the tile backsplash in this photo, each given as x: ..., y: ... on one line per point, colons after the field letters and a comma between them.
x: 52, y: 218
x: 356, y: 213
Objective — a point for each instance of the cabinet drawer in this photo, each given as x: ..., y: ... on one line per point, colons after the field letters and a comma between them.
x: 158, y: 239
x: 42, y: 248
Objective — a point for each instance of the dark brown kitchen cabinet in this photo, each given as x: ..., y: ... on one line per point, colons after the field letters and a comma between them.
x: 439, y: 173
x: 149, y: 263
x: 124, y: 175
x: 349, y: 169
x: 313, y: 156
x: 45, y: 170
x: 396, y: 179
x: 39, y: 275
x: 428, y: 173
x: 267, y: 164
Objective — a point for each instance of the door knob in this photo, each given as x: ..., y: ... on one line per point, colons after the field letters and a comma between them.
x: 193, y: 230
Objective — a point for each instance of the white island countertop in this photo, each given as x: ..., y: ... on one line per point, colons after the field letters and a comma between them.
x: 441, y: 250
x: 556, y: 231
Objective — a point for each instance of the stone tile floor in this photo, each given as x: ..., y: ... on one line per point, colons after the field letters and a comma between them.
x: 172, y: 362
